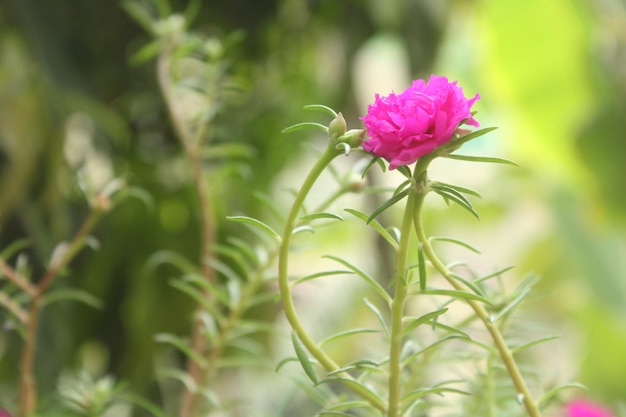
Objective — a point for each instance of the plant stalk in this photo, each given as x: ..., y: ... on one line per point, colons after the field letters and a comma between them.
x: 397, y: 309
x: 191, y: 143
x: 27, y: 386
x: 506, y: 355
x: 283, y: 279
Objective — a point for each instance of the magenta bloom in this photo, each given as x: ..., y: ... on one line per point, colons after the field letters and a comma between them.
x: 4, y: 413
x: 584, y: 408
x: 402, y: 127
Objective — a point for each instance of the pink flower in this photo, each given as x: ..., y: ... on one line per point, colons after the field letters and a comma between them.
x: 584, y: 408
x: 4, y: 413
x: 402, y: 127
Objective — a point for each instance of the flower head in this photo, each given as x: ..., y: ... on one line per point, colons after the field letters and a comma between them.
x: 584, y: 408
x: 402, y: 127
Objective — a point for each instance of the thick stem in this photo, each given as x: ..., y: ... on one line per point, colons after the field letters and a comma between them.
x: 285, y: 289
x: 505, y: 353
x: 397, y: 310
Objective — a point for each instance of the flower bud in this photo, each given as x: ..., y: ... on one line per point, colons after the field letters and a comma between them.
x: 353, y: 137
x: 337, y: 127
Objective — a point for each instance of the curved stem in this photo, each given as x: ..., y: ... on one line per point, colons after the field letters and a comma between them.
x: 285, y: 289
x: 505, y: 353
x: 397, y: 309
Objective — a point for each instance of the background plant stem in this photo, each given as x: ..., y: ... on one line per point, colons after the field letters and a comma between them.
x: 28, y: 386
x: 505, y: 353
x: 192, y: 146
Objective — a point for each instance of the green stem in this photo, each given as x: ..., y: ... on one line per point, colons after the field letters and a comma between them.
x: 397, y: 309
x: 285, y: 289
x: 504, y: 351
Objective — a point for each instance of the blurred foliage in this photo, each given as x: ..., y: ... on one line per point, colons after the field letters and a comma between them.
x: 74, y: 105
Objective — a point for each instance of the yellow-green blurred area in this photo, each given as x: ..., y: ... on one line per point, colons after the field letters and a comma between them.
x: 78, y: 109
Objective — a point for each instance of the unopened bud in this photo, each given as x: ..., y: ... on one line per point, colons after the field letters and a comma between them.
x: 353, y: 137
x: 337, y: 127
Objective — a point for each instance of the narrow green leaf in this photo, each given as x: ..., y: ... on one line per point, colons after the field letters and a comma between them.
x: 511, y: 305
x: 142, y: 403
x: 415, y: 322
x: 456, y: 294
x: 303, y: 358
x: 172, y: 258
x: 497, y: 273
x: 257, y: 224
x: 223, y: 269
x: 371, y: 281
x: 235, y: 255
x: 553, y: 392
x: 139, y: 14
x: 197, y: 295
x: 373, y: 162
x: 491, y: 159
x: 431, y: 346
x: 163, y: 6
x: 301, y: 229
x: 463, y: 190
x: 525, y: 346
x: 376, y: 226
x: 449, y: 194
x: 352, y: 383
x: 469, y: 284
x: 450, y: 329
x: 421, y: 264
x: 304, y: 125
x: 393, y: 200
x: 283, y: 362
x: 241, y: 362
x: 471, y: 136
x: 319, y: 275
x: 322, y: 108
x: 261, y: 298
x: 182, y: 346
x: 378, y: 315
x: 403, y: 186
x: 142, y: 195
x: 14, y: 248
x: 365, y: 365
x: 270, y: 204
x: 145, y: 53
x: 455, y: 241
x: 346, y: 406
x: 417, y: 394
x: 450, y: 190
x: 405, y: 170
x: 192, y: 10
x: 350, y: 332
x: 323, y: 215
x: 72, y: 294
x: 229, y: 150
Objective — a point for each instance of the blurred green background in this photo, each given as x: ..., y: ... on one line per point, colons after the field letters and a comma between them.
x: 552, y: 76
